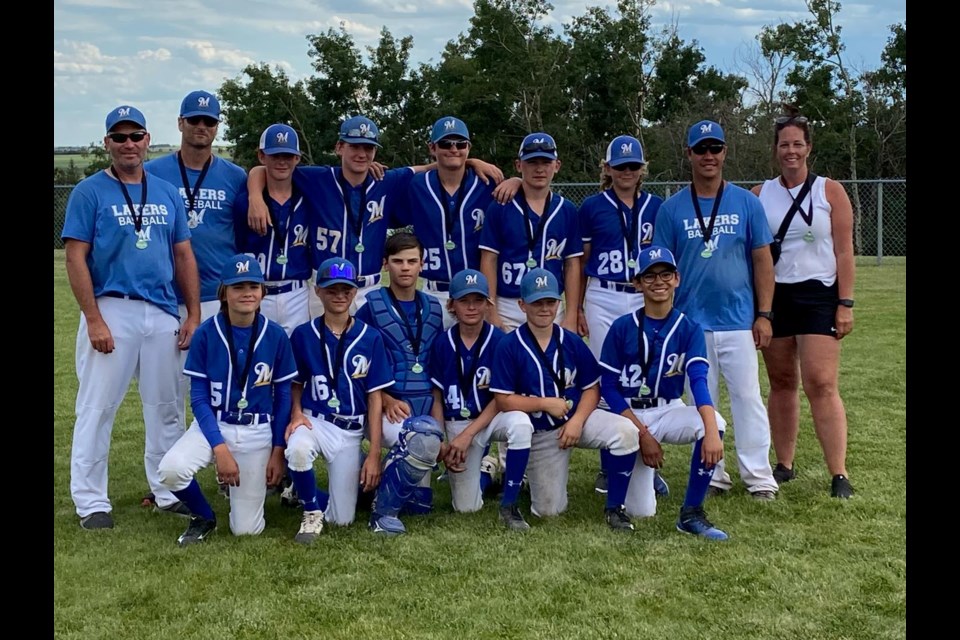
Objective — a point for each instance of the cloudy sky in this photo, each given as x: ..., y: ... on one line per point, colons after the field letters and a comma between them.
x: 151, y: 54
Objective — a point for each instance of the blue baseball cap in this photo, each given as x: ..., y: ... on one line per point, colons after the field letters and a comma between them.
x: 279, y: 138
x: 539, y: 284
x: 655, y: 255
x: 449, y: 127
x: 538, y: 145
x: 125, y: 113
x: 622, y: 150
x: 200, y: 103
x: 468, y: 281
x: 705, y: 130
x: 336, y: 271
x: 360, y: 130
x: 241, y: 268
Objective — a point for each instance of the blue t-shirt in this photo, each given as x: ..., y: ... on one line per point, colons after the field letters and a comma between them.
x: 474, y: 369
x: 98, y: 214
x: 603, y: 219
x: 211, y: 217
x: 715, y: 291
x: 284, y: 252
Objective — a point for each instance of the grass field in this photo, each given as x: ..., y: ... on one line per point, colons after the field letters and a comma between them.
x: 806, y: 566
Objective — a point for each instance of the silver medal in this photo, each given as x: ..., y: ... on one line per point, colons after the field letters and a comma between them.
x: 334, y: 402
x: 644, y: 389
x: 417, y: 367
x: 706, y: 253
x: 450, y: 244
x: 465, y: 412
x: 632, y: 263
x: 282, y: 258
x: 242, y: 403
x: 141, y: 244
x: 531, y: 263
x: 808, y: 237
x: 359, y: 247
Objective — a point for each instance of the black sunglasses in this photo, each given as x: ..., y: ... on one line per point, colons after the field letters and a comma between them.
x: 783, y: 121
x: 651, y: 276
x: 703, y: 147
x: 450, y: 144
x: 627, y: 166
x: 120, y: 138
x: 531, y: 147
x: 206, y: 120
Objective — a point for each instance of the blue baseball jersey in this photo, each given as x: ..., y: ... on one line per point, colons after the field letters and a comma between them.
x: 345, y: 216
x: 474, y: 370
x: 363, y: 367
x: 211, y: 218
x: 603, y: 221
x: 209, y: 359
x: 507, y: 229
x: 669, y: 345
x: 716, y: 291
x: 284, y: 252
x: 98, y: 214
x: 519, y: 369
x: 439, y: 218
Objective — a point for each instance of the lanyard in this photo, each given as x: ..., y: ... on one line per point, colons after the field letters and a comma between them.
x: 534, y: 237
x: 281, y: 232
x: 242, y: 380
x: 629, y: 219
x: 451, y: 206
x: 407, y: 329
x: 334, y: 367
x: 345, y: 190
x: 706, y: 230
x: 137, y: 214
x: 467, y: 378
x: 192, y: 195
x: 798, y: 200
x: 644, y: 353
x: 557, y: 379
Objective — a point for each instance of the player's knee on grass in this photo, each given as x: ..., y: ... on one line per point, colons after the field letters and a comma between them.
x: 299, y: 453
x: 626, y: 438
x: 519, y: 430
x: 173, y: 473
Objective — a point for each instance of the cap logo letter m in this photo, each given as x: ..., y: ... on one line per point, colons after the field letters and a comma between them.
x: 243, y: 267
x: 538, y: 140
x: 471, y: 279
x: 655, y: 254
x: 626, y: 148
x: 541, y: 282
x: 364, y: 127
x: 282, y: 137
x: 203, y: 102
x: 449, y: 124
x: 706, y: 128
x: 123, y: 111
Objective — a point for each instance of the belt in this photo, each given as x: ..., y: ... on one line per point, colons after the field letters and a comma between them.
x: 648, y: 403
x: 436, y: 285
x: 347, y: 423
x: 283, y: 286
x: 618, y: 286
x: 122, y: 296
x: 369, y: 281
x: 233, y: 417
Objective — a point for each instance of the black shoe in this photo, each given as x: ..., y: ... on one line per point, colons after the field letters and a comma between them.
x: 510, y: 516
x: 716, y: 492
x: 494, y: 489
x: 199, y: 530
x: 365, y: 500
x: 618, y: 519
x: 177, y: 509
x: 660, y: 486
x: 600, y: 484
x: 97, y: 520
x: 781, y: 474
x: 840, y: 487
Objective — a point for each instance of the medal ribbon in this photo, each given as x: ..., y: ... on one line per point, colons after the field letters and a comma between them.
x: 449, y: 210
x: 642, y: 351
x: 334, y: 371
x: 242, y: 380
x: 355, y: 222
x: 468, y: 380
x: 706, y: 230
x: 629, y: 219
x: 557, y: 379
x: 192, y: 195
x: 407, y: 329
x: 280, y: 232
x: 534, y: 237
x: 137, y: 215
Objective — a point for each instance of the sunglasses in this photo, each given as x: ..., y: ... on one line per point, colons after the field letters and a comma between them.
x: 702, y: 148
x: 782, y: 121
x: 460, y: 145
x: 120, y: 138
x: 651, y: 276
x: 357, y: 133
x: 532, y: 147
x: 628, y: 166
x: 206, y: 120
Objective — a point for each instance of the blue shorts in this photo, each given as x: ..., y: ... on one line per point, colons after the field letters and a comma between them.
x: 804, y: 308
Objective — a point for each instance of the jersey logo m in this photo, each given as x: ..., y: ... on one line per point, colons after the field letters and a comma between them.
x: 144, y: 234
x: 264, y: 374
x: 376, y: 209
x: 555, y: 249
x: 361, y: 366
x: 676, y: 365
x: 477, y: 215
x: 483, y: 377
x: 195, y: 218
x: 711, y: 244
x: 300, y: 235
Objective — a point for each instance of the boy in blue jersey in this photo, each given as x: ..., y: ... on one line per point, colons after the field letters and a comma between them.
x: 720, y: 237
x: 536, y: 229
x: 284, y: 252
x: 549, y: 373
x: 461, y: 365
x: 342, y: 367
x: 240, y: 366
x: 645, y: 358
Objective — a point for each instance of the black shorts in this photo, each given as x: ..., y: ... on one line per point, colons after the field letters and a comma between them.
x: 802, y: 308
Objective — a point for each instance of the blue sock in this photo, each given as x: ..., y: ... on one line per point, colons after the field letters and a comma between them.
x: 323, y: 499
x: 513, y: 475
x: 605, y: 456
x: 193, y: 497
x: 485, y: 478
x: 699, y: 481
x: 305, y: 483
x: 619, y: 469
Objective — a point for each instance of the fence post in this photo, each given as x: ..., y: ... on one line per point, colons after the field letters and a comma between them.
x: 879, y: 221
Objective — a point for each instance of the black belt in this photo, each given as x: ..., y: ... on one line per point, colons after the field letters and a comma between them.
x: 233, y: 417
x: 287, y: 287
x: 122, y: 296
x: 647, y: 403
x: 618, y: 286
x: 347, y: 424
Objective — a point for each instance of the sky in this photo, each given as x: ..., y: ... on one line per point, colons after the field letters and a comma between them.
x: 151, y: 54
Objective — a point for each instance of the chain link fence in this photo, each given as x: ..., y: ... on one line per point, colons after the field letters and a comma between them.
x: 880, y: 210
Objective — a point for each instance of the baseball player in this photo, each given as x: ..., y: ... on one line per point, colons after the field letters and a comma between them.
x: 461, y: 364
x: 720, y: 237
x: 240, y: 366
x: 548, y: 372
x: 284, y: 252
x: 616, y: 224
x: 127, y: 243
x: 645, y: 357
x: 536, y: 229
x: 409, y: 320
x: 446, y: 207
x: 342, y: 368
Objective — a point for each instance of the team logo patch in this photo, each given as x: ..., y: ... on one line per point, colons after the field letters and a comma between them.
x: 203, y: 102
x: 376, y: 210
x: 282, y: 137
x: 483, y: 377
x: 555, y: 249
x: 471, y: 279
x: 243, y: 267
x: 195, y: 218
x: 477, y: 215
x: 300, y: 232
x: 264, y: 374
x: 675, y: 362
x: 626, y: 149
x: 123, y: 112
x: 449, y: 124
x: 654, y: 254
x: 361, y: 366
x: 706, y: 128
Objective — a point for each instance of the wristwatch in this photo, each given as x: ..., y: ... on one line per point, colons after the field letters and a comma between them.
x: 845, y: 302
x: 765, y: 314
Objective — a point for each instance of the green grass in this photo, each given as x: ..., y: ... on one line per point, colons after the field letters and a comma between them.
x: 806, y: 566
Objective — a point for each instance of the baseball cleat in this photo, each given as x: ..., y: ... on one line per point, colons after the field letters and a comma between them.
x: 97, y: 520
x: 717, y: 492
x: 224, y: 490
x: 618, y: 519
x: 840, y: 487
x: 660, y: 486
x: 782, y: 474
x: 763, y: 495
x: 694, y: 521
x: 386, y: 526
x: 288, y: 497
x: 600, y: 484
x: 511, y: 517
x: 310, y: 527
x: 177, y: 509
x: 199, y: 530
